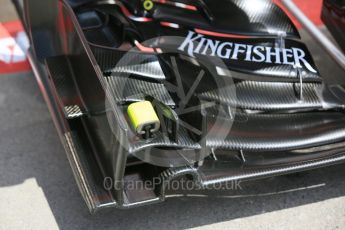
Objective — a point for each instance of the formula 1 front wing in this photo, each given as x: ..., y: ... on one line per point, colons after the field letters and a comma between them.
x: 209, y: 90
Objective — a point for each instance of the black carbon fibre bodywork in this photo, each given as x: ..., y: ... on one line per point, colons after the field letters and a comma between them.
x: 150, y: 27
x: 259, y: 18
x: 259, y: 108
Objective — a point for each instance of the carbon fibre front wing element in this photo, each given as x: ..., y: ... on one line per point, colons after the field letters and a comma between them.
x: 235, y: 102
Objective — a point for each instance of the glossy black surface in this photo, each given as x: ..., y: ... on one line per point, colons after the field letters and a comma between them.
x: 258, y: 17
x: 261, y: 32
